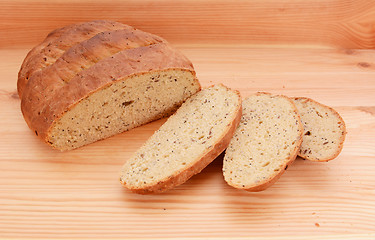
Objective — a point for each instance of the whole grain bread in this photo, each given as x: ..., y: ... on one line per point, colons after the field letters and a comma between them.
x: 92, y: 80
x: 324, y: 130
x: 265, y: 143
x: 186, y: 143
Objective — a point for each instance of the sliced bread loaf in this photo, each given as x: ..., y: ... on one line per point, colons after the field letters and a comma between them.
x: 89, y: 81
x: 265, y: 143
x: 186, y: 143
x: 324, y: 130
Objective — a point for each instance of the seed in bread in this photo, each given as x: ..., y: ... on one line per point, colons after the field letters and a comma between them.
x: 77, y: 88
x: 186, y: 143
x: 265, y: 143
x: 324, y: 130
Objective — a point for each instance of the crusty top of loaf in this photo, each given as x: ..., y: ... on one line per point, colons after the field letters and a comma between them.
x: 90, y: 65
x: 57, y: 42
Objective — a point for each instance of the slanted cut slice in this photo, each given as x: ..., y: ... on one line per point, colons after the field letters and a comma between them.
x: 265, y: 143
x: 324, y: 130
x: 186, y: 143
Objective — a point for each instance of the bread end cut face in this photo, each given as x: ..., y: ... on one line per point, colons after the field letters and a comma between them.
x: 122, y: 105
x: 91, y: 80
x: 324, y: 131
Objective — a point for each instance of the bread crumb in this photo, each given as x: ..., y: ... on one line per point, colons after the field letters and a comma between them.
x: 264, y: 144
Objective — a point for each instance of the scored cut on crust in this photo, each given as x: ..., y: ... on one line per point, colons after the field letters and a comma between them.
x: 57, y: 43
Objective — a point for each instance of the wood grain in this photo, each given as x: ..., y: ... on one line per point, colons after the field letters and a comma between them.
x: 321, y: 49
x: 48, y: 194
x: 339, y: 23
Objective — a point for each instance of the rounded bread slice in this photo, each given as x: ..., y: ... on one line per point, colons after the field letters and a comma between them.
x: 265, y: 143
x: 186, y: 143
x: 324, y: 130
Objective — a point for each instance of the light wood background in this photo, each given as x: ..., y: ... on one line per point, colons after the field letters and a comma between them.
x: 339, y: 23
x: 319, y: 49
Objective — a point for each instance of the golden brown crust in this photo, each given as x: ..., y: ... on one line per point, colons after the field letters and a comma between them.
x: 105, y: 44
x: 56, y: 43
x: 47, y: 97
x: 205, y: 159
x: 22, y: 79
x: 342, y: 128
x: 273, y: 178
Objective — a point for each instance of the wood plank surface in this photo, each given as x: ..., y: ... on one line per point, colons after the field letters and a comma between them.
x: 323, y: 49
x: 339, y: 23
x: 48, y: 194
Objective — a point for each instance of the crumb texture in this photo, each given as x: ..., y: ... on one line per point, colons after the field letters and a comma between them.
x: 265, y: 142
x: 200, y: 123
x: 324, y: 130
x: 122, y: 106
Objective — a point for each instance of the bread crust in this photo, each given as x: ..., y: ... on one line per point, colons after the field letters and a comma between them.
x: 206, y: 158
x: 273, y: 178
x: 342, y: 128
x: 56, y: 43
x: 47, y: 96
x: 101, y: 46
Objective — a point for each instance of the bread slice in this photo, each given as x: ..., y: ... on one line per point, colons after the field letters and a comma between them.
x: 186, y: 143
x: 324, y: 130
x: 265, y: 143
x: 97, y: 79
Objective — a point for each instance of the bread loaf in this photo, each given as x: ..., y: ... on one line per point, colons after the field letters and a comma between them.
x: 92, y: 80
x: 186, y: 143
x: 324, y: 130
x: 265, y: 143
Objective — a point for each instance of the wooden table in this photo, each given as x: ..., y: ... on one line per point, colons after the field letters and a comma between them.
x: 319, y: 49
